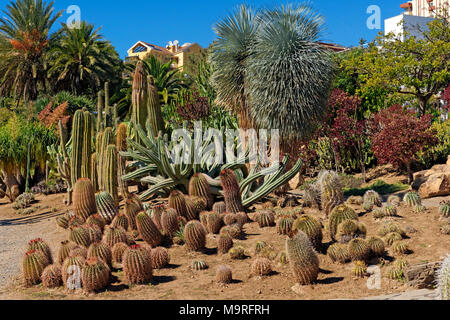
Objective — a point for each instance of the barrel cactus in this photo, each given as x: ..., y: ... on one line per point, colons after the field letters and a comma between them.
x: 420, y: 208
x: 94, y: 232
x: 78, y: 251
x: 199, y: 187
x: 231, y: 191
x: 332, y: 194
x: 265, y: 218
x: 311, y: 227
x: 400, y: 247
x: 51, y: 276
x: 377, y: 246
x: 107, y: 206
x: 234, y: 231
x: 390, y: 227
x: 95, y: 275
x: 443, y: 279
x: 147, y: 229
x: 412, y: 199
x: 390, y: 210
x: 156, y: 214
x: 444, y: 209
x: 64, y: 251
x: 219, y: 207
x: 346, y: 231
x: 133, y: 206
x: 358, y: 249
x: 120, y: 221
x: 284, y: 225
x: 392, y: 237
x: 40, y: 245
x: 229, y: 219
x: 80, y: 236
x: 114, y: 235
x: 338, y: 252
x: 137, y: 265
x: 213, y: 223
x: 224, y: 243
x: 199, y: 265
x: 195, y: 235
x: 96, y: 219
x: 372, y: 197
x: 71, y: 270
x: 160, y: 257
x: 84, y: 199
x: 82, y: 132
x: 261, y: 267
x: 177, y: 201
x: 339, y: 215
x: 117, y: 252
x: 237, y: 253
x: 359, y: 269
x: 33, y: 264
x: 169, y: 222
x: 100, y: 251
x: 224, y: 275
x: 302, y: 259
x: 394, y: 200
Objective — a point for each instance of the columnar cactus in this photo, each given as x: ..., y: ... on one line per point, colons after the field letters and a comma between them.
x: 444, y: 209
x: 261, y: 267
x: 331, y: 191
x: 40, y: 245
x: 139, y: 99
x: 338, y: 215
x: 110, y: 175
x: 107, y: 139
x: 311, y: 227
x: 117, y: 252
x: 80, y: 236
x: 412, y: 199
x: 64, y: 251
x: 231, y: 191
x: 51, y: 276
x: 147, y: 230
x: 154, y: 108
x: 121, y: 145
x: 120, y: 221
x: 224, y: 275
x: 169, y: 222
x: 95, y: 275
x: 373, y: 198
x: 377, y: 246
x: 107, y: 206
x: 224, y: 244
x: 160, y: 257
x: 213, y: 223
x: 71, y: 270
x: 84, y: 199
x: 137, y: 265
x: 219, y: 207
x: 443, y: 279
x: 199, y: 187
x: 100, y: 251
x: 94, y: 173
x: 114, y: 235
x: 358, y: 249
x: 81, y: 146
x: 338, y: 252
x: 177, y: 201
x: 33, y: 264
x: 265, y: 218
x: 302, y: 259
x: 195, y: 235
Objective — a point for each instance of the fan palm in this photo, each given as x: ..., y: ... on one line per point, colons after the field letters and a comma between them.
x: 236, y: 35
x: 289, y: 73
x: 81, y: 60
x: 24, y: 40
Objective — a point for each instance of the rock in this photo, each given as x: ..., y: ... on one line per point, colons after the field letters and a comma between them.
x: 437, y: 185
x: 296, y: 182
x: 422, y: 276
x: 298, y: 289
x: 410, y: 229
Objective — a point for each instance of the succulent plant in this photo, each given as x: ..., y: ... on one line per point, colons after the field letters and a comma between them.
x: 401, y: 264
x: 231, y: 191
x: 368, y: 206
x: 95, y: 275
x: 237, y: 253
x: 394, y: 200
x: 100, y: 251
x: 378, y: 213
x: 261, y: 267
x: 51, y: 276
x: 224, y: 243
x: 420, y: 208
x: 338, y: 252
x: 339, y: 215
x: 169, y: 222
x: 94, y: 232
x: 372, y: 197
x: 40, y: 245
x: 331, y: 191
x: 445, y: 229
x: 137, y: 265
x: 78, y: 251
x: 156, y: 214
x: 376, y: 246
x: 224, y: 275
x: 81, y: 145
x: 117, y: 252
x: 392, y: 237
x: 395, y: 273
x: 229, y: 219
x: 199, y: 187
x: 110, y: 175
x: 23, y: 201
x: 390, y: 210
x: 114, y: 235
x: 96, y: 219
x: 84, y: 199
x: 412, y: 199
x: 64, y: 251
x: 199, y: 265
x: 358, y: 249
x: 390, y: 227
x: 71, y: 270
x: 107, y: 206
x: 241, y: 218
x: 219, y: 207
x: 194, y: 207
x: 63, y: 221
x: 312, y: 197
x: 265, y: 218
x: 120, y: 221
x: 355, y: 200
x: 284, y: 225
x: 213, y: 222
x: 33, y: 264
x: 80, y: 236
x: 195, y: 235
x: 133, y: 206
x: 359, y: 269
x: 147, y: 229
x: 311, y: 227
x: 400, y: 247
x: 444, y: 209
x: 347, y: 230
x: 283, y: 258
x: 234, y: 231
x: 74, y: 221
x: 160, y: 257
x: 302, y: 259
x: 443, y: 279
x: 259, y: 246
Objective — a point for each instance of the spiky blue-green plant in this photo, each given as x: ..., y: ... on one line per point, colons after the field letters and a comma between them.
x: 229, y: 54
x: 289, y: 73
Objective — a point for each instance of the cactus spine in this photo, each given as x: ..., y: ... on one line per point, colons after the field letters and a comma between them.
x: 443, y: 279
x: 110, y: 172
x: 33, y: 264
x: 302, y: 259
x: 169, y: 222
x: 199, y: 187
x: 195, y: 235
x: 311, y: 227
x: 51, y: 276
x: 84, y: 199
x: 107, y: 206
x: 160, y: 257
x: 331, y: 191
x: 137, y: 265
x: 95, y: 275
x: 42, y: 246
x: 147, y: 230
x: 100, y: 251
x: 231, y: 191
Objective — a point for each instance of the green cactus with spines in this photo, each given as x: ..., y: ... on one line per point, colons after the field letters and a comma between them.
x: 261, y: 267
x: 219, y: 207
x: 395, y: 273
x: 359, y: 269
x: 199, y: 265
x: 224, y: 243
x: 392, y: 237
x: 107, y: 206
x: 213, y: 223
x: 401, y: 264
x: 231, y: 191
x: 95, y: 275
x: 412, y: 199
x: 80, y: 236
x: 199, y: 187
x: 338, y: 252
x: 284, y: 225
x: 51, y: 276
x: 400, y: 247
x: 94, y: 173
x: 122, y: 146
x: 33, y: 264
x: 107, y: 139
x: 339, y: 215
x: 114, y: 235
x: 139, y: 99
x: 169, y: 222
x: 377, y: 246
x: 443, y: 279
x: 120, y: 221
x: 346, y: 231
x: 177, y: 201
x: 154, y: 107
x: 137, y: 265
x: 192, y: 209
x: 331, y: 191
x: 444, y: 209
x: 372, y: 197
x: 78, y: 153
x: 367, y: 206
x: 265, y: 218
x: 390, y: 227
x: 148, y: 230
x: 133, y: 206
x: 390, y: 210
x: 237, y: 253
x: 303, y: 259
x: 420, y: 208
x: 96, y: 219
x: 117, y: 252
x: 100, y: 251
x: 311, y: 227
x: 64, y: 251
x: 195, y: 236
x: 358, y: 249
x: 259, y: 246
x: 40, y: 245
x: 107, y: 119
x: 394, y: 200
x: 99, y: 122
x: 110, y: 172
x: 84, y: 199
x: 94, y: 231
x: 63, y: 221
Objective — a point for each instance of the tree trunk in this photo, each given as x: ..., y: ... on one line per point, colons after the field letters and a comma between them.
x: 12, y: 186
x: 410, y: 173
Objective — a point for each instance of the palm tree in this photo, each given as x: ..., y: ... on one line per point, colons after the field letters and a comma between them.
x: 81, y: 60
x: 236, y: 34
x: 24, y: 40
x: 289, y: 73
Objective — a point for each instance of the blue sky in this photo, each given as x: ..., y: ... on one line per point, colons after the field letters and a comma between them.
x: 126, y: 22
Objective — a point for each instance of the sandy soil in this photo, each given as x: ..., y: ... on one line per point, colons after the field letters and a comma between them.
x: 179, y: 282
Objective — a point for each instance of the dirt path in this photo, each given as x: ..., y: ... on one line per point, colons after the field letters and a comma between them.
x: 17, y: 230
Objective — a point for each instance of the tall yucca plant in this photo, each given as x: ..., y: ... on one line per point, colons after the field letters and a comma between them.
x: 289, y: 73
x: 236, y: 35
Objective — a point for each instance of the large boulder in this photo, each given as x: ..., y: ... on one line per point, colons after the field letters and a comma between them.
x: 434, y: 182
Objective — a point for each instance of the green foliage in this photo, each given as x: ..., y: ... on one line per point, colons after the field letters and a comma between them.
x: 379, y: 186
x: 438, y: 152
x: 75, y: 102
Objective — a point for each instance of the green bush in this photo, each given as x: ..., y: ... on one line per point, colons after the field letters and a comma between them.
x: 441, y: 150
x: 74, y: 102
x: 379, y: 186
